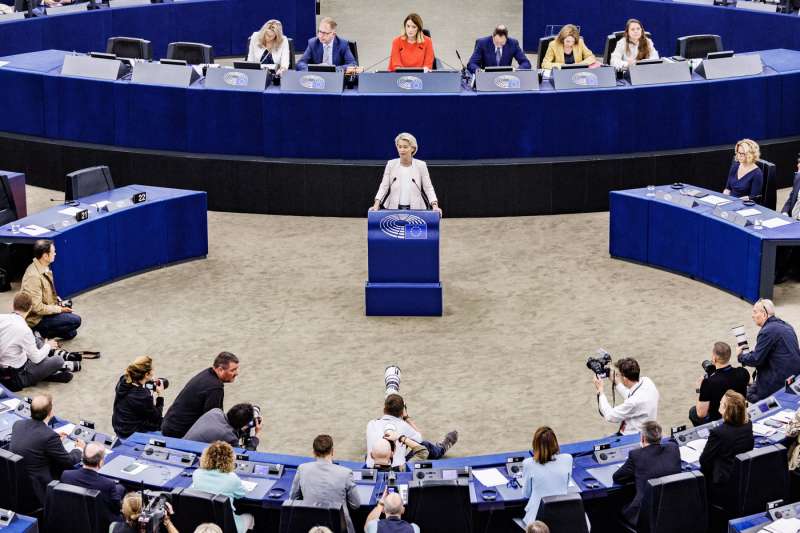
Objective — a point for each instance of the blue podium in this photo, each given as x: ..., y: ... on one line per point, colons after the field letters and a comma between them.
x: 403, y: 250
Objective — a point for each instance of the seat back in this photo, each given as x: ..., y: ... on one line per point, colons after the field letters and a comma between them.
x: 674, y: 503
x: 87, y: 181
x: 68, y: 508
x: 769, y: 194
x: 12, y: 472
x: 192, y: 53
x: 542, y: 50
x: 698, y: 46
x: 353, y: 49
x: 292, y: 59
x: 8, y: 208
x: 563, y: 513
x: 194, y: 507
x: 759, y: 476
x: 130, y: 48
x: 298, y: 516
x: 428, y: 498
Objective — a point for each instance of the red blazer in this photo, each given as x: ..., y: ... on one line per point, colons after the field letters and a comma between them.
x: 405, y: 54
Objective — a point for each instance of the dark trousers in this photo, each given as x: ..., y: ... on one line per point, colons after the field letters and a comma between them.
x: 30, y: 374
x: 61, y: 326
x: 435, y: 451
x: 696, y: 420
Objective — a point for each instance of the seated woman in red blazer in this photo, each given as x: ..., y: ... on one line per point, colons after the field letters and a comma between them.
x: 413, y: 48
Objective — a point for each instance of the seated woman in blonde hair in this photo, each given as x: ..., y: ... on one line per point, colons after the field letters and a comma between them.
x: 567, y: 49
x: 269, y: 46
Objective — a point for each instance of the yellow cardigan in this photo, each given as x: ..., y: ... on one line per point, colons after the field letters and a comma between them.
x: 554, y: 57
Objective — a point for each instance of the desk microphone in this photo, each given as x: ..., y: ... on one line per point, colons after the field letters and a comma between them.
x: 464, y: 72
x: 375, y: 63
x: 424, y: 196
x: 385, y: 196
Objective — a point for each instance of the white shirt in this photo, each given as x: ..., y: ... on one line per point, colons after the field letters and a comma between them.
x: 404, y: 179
x: 17, y: 343
x: 376, y: 430
x: 621, y: 53
x: 640, y: 405
x: 279, y: 56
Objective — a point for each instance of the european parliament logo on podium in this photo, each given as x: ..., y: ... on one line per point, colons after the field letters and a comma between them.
x: 403, y: 256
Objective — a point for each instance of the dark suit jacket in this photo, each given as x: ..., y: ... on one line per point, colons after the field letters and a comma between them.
x: 644, y: 464
x: 44, y: 456
x: 110, y: 491
x: 724, y: 442
x: 787, y: 207
x: 776, y: 356
x: 483, y: 56
x: 340, y: 55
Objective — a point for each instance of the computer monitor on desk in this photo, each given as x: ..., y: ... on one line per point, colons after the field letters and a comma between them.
x: 409, y: 69
x: 321, y: 68
x: 568, y: 66
x: 247, y: 65
x: 508, y: 68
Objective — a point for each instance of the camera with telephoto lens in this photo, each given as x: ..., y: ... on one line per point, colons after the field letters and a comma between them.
x: 154, y: 509
x: 391, y: 377
x: 66, y: 355
x: 709, y: 367
x: 153, y: 383
x: 599, y: 363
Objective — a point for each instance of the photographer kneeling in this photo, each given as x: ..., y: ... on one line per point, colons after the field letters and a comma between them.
x: 240, y: 426
x: 139, y: 399
x: 720, y: 377
x: 132, y: 513
x: 640, y: 395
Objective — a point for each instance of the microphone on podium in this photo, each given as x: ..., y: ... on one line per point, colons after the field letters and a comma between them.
x: 424, y: 196
x: 375, y: 63
x: 385, y: 196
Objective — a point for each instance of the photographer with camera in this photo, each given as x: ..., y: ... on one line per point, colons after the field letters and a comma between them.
x: 139, y: 399
x: 136, y: 517
x: 639, y: 394
x: 26, y: 360
x: 776, y: 355
x: 719, y: 377
x: 240, y: 426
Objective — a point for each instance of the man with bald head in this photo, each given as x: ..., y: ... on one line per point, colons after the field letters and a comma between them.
x: 391, y: 505
x: 382, y: 451
x: 41, y: 448
x: 89, y: 477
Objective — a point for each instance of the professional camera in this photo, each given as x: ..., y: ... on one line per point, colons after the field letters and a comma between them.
x: 65, y: 303
x: 392, y: 379
x: 153, y: 383
x: 599, y: 363
x: 154, y: 509
x: 741, y: 338
x: 708, y: 366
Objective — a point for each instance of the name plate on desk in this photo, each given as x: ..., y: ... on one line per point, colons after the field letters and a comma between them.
x: 65, y: 10
x: 237, y: 79
x: 92, y: 67
x: 584, y: 78
x: 161, y: 74
x: 444, y: 81
x: 757, y: 6
x: 665, y: 72
x: 516, y: 81
x: 294, y: 81
x: 730, y: 67
x: 698, y: 2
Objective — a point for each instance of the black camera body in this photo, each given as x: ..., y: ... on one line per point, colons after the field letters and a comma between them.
x: 599, y: 364
x: 709, y: 367
x: 154, y: 509
x: 65, y: 303
x: 152, y: 384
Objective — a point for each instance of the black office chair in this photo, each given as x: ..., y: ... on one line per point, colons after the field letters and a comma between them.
x: 130, y: 48
x: 611, y: 43
x: 698, y: 46
x: 68, y: 508
x: 769, y: 193
x: 298, y: 516
x: 8, y: 208
x: 292, y: 59
x: 87, y: 181
x: 427, y: 498
x: 192, y: 53
x: 759, y: 476
x: 675, y: 503
x: 195, y: 507
x: 17, y: 493
x: 563, y: 513
x: 542, y: 50
x: 354, y: 49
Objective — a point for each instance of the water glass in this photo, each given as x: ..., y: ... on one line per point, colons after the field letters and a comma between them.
x: 651, y: 190
x: 759, y: 224
x: 15, y: 228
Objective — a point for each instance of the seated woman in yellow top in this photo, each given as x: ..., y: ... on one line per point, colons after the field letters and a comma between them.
x: 567, y: 49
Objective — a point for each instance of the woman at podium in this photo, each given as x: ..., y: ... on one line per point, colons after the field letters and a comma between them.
x: 406, y: 183
x: 269, y: 46
x: 412, y: 49
x: 745, y: 179
x: 567, y: 48
x: 633, y: 46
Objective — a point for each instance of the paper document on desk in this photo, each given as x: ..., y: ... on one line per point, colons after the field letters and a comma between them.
x: 33, y: 230
x: 3, y: 63
x: 748, y: 212
x: 784, y: 525
x: 760, y: 430
x: 490, y: 477
x: 70, y: 211
x: 12, y: 403
x: 712, y: 199
x: 249, y: 485
x: 783, y: 417
x: 604, y: 474
x: 691, y: 451
x: 776, y: 222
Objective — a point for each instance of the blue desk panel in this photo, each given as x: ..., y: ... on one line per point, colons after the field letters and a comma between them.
x: 695, y: 242
x: 362, y: 126
x: 224, y: 24
x: 170, y: 226
x: 22, y: 524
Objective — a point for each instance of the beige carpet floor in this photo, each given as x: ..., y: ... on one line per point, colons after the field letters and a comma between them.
x: 526, y: 300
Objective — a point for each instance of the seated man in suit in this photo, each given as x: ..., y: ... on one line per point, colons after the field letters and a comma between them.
x: 327, y: 48
x: 497, y: 50
x: 323, y: 482
x: 88, y: 477
x: 652, y: 460
x: 787, y: 256
x: 40, y: 447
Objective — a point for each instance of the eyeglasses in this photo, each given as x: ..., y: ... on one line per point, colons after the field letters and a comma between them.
x: 325, y: 33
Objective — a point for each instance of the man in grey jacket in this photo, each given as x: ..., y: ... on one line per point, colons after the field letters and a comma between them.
x: 324, y: 483
x: 240, y: 426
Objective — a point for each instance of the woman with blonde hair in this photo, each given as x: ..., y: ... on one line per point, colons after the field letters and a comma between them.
x: 269, y: 46
x: 412, y: 48
x: 745, y: 179
x: 216, y: 475
x: 138, y: 400
x: 567, y: 49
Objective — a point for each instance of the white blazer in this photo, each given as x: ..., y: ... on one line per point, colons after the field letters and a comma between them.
x: 419, y: 173
x: 281, y: 56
